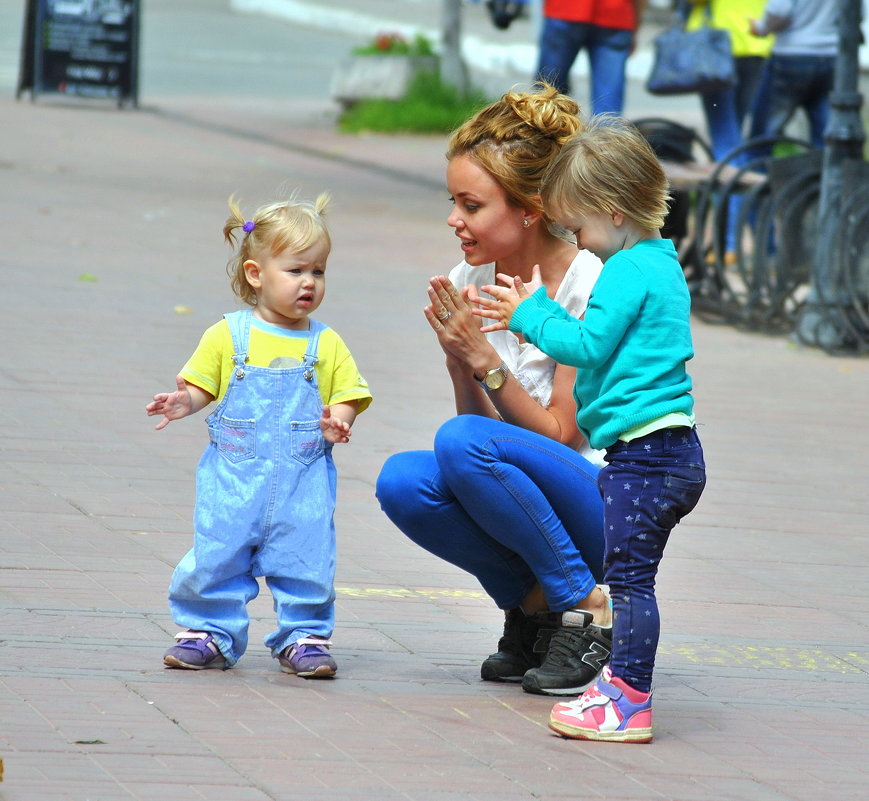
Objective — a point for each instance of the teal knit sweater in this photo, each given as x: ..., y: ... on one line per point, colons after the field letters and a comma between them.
x: 631, y: 347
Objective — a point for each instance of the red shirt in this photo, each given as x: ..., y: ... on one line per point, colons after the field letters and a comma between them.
x: 606, y: 13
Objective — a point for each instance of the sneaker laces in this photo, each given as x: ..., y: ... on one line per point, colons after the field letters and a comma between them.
x: 563, y: 644
x: 587, y: 699
x: 590, y: 696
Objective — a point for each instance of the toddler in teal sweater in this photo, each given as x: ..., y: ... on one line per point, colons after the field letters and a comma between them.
x: 632, y: 394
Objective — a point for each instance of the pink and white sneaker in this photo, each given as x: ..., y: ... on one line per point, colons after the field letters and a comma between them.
x: 608, y: 710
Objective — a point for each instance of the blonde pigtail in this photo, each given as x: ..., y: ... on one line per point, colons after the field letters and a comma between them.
x: 238, y: 237
x: 321, y: 203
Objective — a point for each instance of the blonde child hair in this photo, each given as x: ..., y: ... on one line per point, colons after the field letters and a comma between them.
x: 515, y: 138
x: 292, y: 225
x: 607, y: 167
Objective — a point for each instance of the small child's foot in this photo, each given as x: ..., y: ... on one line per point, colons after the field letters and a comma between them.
x: 308, y: 658
x: 195, y: 650
x: 605, y: 712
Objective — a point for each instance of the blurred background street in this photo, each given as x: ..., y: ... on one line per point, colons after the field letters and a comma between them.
x: 113, y: 265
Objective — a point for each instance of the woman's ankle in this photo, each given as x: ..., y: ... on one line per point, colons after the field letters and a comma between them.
x: 598, y: 603
x: 534, y: 602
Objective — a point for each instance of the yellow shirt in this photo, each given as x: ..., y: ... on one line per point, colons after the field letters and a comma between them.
x: 733, y: 16
x: 338, y: 378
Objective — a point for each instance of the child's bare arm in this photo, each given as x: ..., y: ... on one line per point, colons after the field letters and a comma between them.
x: 336, y: 420
x: 186, y: 400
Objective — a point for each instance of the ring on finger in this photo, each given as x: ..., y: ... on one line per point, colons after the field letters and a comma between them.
x: 444, y: 316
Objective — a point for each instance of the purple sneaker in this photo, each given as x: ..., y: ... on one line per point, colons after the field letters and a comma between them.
x: 195, y: 650
x: 308, y: 658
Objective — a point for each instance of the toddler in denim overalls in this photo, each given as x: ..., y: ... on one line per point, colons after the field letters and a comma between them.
x: 287, y: 390
x: 633, y: 395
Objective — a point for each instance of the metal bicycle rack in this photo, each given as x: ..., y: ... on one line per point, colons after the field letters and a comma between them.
x: 767, y: 193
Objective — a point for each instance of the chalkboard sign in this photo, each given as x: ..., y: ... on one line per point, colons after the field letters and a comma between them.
x: 85, y: 48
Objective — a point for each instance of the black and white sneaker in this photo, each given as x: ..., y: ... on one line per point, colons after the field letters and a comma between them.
x: 522, y: 647
x: 577, y: 653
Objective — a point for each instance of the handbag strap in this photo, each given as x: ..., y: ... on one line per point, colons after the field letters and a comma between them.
x: 684, y: 8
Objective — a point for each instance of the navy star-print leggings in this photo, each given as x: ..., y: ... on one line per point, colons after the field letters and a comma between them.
x: 648, y: 486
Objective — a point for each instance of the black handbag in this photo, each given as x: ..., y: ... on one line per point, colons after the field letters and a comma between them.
x: 691, y: 61
x: 503, y: 12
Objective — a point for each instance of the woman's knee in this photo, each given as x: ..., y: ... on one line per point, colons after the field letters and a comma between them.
x: 456, y: 438
x: 408, y: 488
x: 394, y: 482
x: 411, y: 497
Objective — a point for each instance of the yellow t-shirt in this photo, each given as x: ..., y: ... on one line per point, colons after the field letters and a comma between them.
x: 733, y: 16
x: 338, y: 378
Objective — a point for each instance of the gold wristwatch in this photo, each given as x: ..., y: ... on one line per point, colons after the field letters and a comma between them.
x: 495, y: 378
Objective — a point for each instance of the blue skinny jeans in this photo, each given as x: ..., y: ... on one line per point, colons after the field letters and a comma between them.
x: 789, y: 83
x: 509, y: 506
x: 608, y: 51
x: 726, y: 111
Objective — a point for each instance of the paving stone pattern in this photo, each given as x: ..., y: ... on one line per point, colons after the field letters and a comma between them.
x: 113, y: 265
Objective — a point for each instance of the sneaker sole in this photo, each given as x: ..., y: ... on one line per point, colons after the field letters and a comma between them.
x: 576, y: 733
x: 491, y: 675
x: 174, y: 662
x: 319, y: 672
x: 536, y: 689
x: 492, y: 669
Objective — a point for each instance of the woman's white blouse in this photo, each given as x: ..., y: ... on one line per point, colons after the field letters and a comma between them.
x: 531, y: 367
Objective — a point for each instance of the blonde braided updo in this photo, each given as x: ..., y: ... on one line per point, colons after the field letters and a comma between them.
x: 516, y: 138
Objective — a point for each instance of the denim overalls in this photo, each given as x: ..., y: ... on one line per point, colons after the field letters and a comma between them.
x: 265, y: 497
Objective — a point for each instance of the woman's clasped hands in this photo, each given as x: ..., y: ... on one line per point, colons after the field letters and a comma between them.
x: 449, y: 315
x: 504, y: 300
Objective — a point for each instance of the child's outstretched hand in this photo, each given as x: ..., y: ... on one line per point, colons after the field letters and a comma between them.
x: 334, y: 428
x: 172, y: 405
x: 504, y: 301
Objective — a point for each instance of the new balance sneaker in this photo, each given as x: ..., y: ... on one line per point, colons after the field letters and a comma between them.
x: 610, y: 710
x: 577, y: 653
x: 308, y: 658
x: 522, y: 647
x: 195, y: 650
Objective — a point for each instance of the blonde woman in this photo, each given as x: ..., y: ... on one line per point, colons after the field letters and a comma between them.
x: 509, y: 492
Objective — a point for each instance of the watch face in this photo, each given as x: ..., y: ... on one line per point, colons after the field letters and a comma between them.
x: 494, y: 379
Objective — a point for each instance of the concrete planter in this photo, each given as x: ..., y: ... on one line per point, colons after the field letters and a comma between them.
x: 364, y: 77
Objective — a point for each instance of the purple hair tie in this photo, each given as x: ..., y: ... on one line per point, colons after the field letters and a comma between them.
x: 249, y: 226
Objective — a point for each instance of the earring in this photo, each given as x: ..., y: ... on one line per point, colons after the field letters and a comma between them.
x: 525, y: 223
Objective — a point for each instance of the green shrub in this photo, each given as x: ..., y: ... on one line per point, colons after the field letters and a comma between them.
x: 429, y: 106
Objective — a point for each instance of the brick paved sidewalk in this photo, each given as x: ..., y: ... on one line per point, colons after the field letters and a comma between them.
x: 113, y: 266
